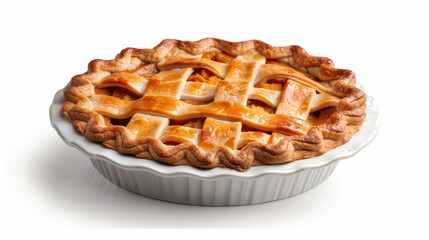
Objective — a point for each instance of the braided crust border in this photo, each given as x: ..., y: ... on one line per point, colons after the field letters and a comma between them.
x: 339, y: 128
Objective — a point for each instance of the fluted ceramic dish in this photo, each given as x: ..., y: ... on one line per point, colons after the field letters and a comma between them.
x: 218, y: 186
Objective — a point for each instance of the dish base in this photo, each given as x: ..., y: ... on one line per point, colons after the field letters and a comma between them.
x: 223, y: 191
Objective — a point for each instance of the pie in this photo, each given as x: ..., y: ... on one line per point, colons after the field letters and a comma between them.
x: 214, y: 103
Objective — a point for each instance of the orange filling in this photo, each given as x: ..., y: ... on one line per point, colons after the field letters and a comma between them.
x: 271, y: 86
x: 260, y: 106
x: 192, y: 123
x: 124, y: 94
x: 102, y: 91
x: 204, y: 76
x: 218, y: 57
x: 116, y: 92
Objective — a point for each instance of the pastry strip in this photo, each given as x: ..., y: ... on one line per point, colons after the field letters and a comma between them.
x: 284, y: 72
x: 181, y: 134
x: 219, y: 133
x: 199, y: 91
x: 269, y: 97
x: 239, y: 78
x: 168, y: 83
x: 296, y: 100
x: 247, y: 137
x: 324, y: 100
x: 142, y: 125
x: 205, y: 92
x: 134, y: 83
x: 176, y: 109
x: 219, y: 69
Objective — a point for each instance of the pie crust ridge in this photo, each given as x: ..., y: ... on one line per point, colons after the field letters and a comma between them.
x: 338, y: 129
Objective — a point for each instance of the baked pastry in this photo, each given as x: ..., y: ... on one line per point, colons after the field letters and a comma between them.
x: 214, y: 103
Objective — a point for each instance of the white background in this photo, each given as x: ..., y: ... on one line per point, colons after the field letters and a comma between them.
x: 47, y: 186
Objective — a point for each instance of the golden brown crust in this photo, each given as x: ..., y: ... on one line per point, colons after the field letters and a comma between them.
x: 338, y: 129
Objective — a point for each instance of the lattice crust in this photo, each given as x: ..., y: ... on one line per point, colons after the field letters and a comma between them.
x: 214, y: 103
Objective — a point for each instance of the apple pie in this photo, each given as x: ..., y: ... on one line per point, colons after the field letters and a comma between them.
x: 214, y: 103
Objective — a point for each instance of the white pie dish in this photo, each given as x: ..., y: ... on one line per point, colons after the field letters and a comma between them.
x: 218, y: 186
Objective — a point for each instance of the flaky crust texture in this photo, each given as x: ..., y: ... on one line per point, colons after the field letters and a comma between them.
x: 337, y: 130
